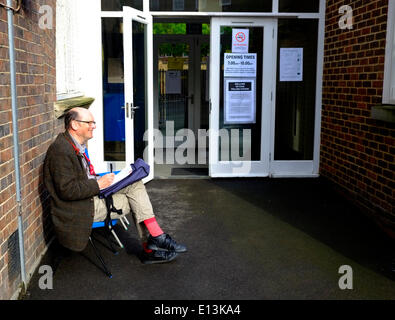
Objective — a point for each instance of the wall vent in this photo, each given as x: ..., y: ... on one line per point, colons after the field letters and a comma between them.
x: 14, y: 263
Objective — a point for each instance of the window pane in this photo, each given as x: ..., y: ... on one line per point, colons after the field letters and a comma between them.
x: 392, y: 83
x: 204, y: 85
x: 140, y: 87
x: 299, y: 6
x: 212, y: 5
x: 173, y: 68
x: 181, y: 28
x: 295, y: 100
x: 232, y: 136
x: 113, y: 90
x: 170, y: 28
x: 67, y: 36
x: 116, y: 5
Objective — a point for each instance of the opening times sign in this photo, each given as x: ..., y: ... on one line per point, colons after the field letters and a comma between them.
x: 240, y: 65
x: 240, y: 90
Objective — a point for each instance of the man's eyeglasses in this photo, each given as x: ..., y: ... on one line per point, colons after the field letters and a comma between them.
x: 91, y: 123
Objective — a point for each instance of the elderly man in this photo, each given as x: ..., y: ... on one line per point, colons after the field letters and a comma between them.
x: 74, y: 187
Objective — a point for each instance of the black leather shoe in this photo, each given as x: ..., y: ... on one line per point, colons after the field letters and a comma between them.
x: 165, y: 243
x: 158, y: 257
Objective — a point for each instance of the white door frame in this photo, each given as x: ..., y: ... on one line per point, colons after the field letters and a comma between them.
x: 145, y: 17
x: 129, y: 15
x: 242, y: 168
x: 305, y: 168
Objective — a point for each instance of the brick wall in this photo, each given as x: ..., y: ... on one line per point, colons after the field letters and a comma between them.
x: 35, y: 66
x: 357, y: 152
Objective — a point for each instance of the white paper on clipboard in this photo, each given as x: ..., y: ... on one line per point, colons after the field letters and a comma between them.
x: 122, y: 174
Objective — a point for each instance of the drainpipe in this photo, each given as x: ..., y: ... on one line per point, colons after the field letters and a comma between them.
x: 10, y: 15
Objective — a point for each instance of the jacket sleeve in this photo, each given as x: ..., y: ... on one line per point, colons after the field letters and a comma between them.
x: 67, y: 180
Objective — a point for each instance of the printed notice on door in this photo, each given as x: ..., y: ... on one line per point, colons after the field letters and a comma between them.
x: 240, y: 40
x: 240, y: 65
x: 173, y: 82
x: 239, y: 101
x: 291, y: 64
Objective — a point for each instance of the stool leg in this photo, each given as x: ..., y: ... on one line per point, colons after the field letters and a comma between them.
x: 126, y: 220
x: 123, y: 224
x: 106, y: 271
x: 114, y: 251
x: 116, y: 238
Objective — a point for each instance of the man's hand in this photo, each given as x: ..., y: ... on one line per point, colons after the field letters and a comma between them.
x: 106, y: 180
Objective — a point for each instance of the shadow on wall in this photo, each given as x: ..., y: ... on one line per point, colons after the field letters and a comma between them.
x: 48, y: 230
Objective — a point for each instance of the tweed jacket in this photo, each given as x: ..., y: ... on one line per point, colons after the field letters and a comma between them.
x: 72, y: 204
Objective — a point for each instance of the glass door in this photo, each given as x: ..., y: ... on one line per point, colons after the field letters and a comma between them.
x: 242, y: 75
x: 127, y: 89
x: 175, y: 83
x: 181, y: 98
x: 296, y: 119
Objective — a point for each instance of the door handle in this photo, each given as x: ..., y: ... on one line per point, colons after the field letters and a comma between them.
x: 132, y: 108
x: 127, y: 109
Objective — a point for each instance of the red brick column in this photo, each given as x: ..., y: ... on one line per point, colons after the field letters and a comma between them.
x: 357, y: 152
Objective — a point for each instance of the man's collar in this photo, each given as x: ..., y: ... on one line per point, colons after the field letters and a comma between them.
x: 81, y: 147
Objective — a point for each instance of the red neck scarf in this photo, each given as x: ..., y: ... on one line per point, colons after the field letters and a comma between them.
x: 77, y: 151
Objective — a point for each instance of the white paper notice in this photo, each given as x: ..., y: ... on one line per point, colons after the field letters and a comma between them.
x: 240, y: 65
x: 122, y: 174
x: 239, y: 101
x: 291, y: 64
x: 173, y: 82
x: 240, y: 38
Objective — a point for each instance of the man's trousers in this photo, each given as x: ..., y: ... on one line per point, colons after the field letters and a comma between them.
x: 133, y: 198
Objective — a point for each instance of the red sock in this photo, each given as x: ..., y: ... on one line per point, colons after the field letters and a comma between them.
x: 145, y: 248
x: 153, y: 227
